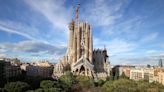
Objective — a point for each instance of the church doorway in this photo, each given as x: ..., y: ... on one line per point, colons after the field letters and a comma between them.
x: 82, y: 70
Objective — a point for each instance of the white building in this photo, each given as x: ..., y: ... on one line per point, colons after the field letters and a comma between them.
x: 142, y: 74
x: 136, y: 74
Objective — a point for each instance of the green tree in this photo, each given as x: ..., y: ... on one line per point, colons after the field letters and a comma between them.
x: 120, y: 85
x: 33, y: 81
x: 68, y: 78
x: 99, y: 83
x: 142, y: 86
x: 53, y: 86
x: 48, y: 84
x: 108, y: 86
x: 30, y: 91
x: 123, y: 76
x: 16, y: 87
x: 145, y: 86
x: 39, y: 90
x: 84, y: 83
x: 54, y: 90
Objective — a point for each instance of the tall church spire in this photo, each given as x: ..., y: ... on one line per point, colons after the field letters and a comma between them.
x: 77, y: 11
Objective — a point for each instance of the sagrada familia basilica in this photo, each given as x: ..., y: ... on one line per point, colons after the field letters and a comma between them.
x: 80, y: 57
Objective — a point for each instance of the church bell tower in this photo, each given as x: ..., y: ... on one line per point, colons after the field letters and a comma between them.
x: 80, y: 39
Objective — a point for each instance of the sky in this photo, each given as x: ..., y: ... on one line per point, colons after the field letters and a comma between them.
x: 131, y: 30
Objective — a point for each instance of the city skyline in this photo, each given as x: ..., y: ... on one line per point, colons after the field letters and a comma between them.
x: 131, y: 30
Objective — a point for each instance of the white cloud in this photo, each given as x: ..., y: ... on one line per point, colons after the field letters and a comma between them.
x: 151, y: 51
x: 150, y: 37
x: 115, y: 46
x: 16, y: 28
x: 33, y: 49
x: 2, y: 55
x: 28, y: 31
x: 118, y: 46
x: 102, y: 12
x: 149, y: 57
x: 137, y: 60
x: 54, y: 10
x: 2, y: 50
x: 158, y: 54
x: 128, y: 28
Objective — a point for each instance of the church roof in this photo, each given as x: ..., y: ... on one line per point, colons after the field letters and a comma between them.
x: 83, y: 61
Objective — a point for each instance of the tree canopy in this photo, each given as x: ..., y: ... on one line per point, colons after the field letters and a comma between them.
x: 70, y: 83
x: 16, y: 87
x: 68, y: 78
x: 126, y: 85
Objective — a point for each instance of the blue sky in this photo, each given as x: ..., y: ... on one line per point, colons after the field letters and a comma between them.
x: 131, y: 30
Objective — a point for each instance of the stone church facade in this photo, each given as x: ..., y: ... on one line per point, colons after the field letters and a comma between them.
x: 80, y: 56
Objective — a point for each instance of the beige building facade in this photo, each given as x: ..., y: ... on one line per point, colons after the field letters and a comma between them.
x: 142, y: 74
x: 159, y: 75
